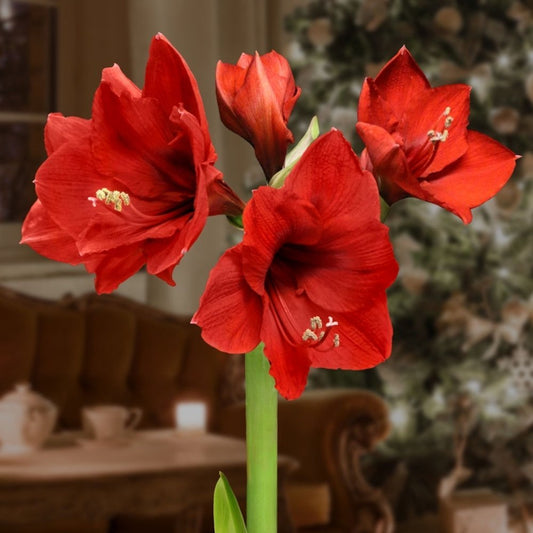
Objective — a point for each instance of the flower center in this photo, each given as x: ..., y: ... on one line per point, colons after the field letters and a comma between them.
x: 435, y: 135
x: 317, y: 332
x: 115, y: 198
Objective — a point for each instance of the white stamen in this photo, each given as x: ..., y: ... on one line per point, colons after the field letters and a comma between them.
x: 336, y: 340
x: 331, y: 322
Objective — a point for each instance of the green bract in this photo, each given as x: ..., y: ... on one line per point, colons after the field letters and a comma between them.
x: 294, y: 155
x: 226, y: 511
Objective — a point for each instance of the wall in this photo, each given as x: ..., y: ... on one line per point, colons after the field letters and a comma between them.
x: 97, y: 33
x: 203, y: 31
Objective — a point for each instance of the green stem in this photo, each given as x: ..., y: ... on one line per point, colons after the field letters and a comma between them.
x: 261, y: 444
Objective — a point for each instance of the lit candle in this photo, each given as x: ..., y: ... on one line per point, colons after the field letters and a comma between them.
x: 191, y: 416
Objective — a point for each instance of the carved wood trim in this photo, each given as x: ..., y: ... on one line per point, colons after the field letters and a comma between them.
x: 369, y: 502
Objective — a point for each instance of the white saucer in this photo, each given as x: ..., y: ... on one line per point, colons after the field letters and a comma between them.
x: 98, y: 444
x: 16, y: 454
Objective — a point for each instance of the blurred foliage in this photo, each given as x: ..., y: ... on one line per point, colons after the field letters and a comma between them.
x: 462, y: 306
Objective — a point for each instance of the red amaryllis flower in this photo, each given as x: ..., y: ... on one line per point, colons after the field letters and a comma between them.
x: 255, y: 99
x: 133, y: 185
x: 309, y: 277
x: 417, y: 142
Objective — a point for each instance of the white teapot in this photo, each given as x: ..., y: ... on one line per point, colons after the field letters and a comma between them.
x: 26, y: 420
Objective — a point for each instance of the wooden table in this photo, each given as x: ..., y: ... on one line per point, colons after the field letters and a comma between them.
x: 154, y: 473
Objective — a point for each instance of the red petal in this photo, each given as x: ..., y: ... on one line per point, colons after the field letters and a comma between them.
x: 389, y: 163
x: 169, y: 79
x: 330, y: 177
x: 114, y: 267
x: 271, y: 219
x: 42, y: 234
x: 230, y: 312
x: 222, y: 199
x: 130, y: 137
x: 365, y: 339
x: 60, y: 129
x: 373, y: 108
x: 108, y: 227
x: 166, y: 276
x: 359, y: 257
x: 229, y: 80
x: 427, y: 113
x: 282, y: 81
x: 401, y: 81
x: 474, y: 178
x: 166, y: 253
x: 189, y: 144
x: 289, y: 365
x: 65, y: 181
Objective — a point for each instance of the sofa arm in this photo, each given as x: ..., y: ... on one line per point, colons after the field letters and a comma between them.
x: 327, y: 431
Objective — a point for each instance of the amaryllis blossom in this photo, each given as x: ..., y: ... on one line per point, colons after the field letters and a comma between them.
x: 418, y: 144
x: 133, y: 185
x: 309, y: 277
x: 255, y: 99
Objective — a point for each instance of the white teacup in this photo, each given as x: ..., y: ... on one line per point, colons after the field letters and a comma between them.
x: 110, y: 422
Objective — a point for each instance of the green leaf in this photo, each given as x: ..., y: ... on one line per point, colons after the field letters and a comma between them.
x: 226, y: 511
x: 313, y: 131
x: 294, y: 155
x: 235, y: 221
x: 384, y: 209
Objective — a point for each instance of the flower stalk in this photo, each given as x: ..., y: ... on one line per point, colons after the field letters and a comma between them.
x: 261, y: 444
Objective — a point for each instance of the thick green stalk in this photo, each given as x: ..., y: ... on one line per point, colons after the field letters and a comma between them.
x: 261, y: 444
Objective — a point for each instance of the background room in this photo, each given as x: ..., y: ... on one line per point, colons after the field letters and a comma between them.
x: 459, y: 384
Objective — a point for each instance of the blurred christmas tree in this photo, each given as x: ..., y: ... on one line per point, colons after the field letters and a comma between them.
x: 462, y: 307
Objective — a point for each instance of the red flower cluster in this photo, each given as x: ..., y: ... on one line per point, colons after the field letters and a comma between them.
x: 134, y: 185
x: 417, y: 142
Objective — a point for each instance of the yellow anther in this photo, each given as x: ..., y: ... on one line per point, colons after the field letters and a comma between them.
x: 316, y: 323
x: 435, y: 136
x: 308, y: 334
x: 441, y: 136
x: 116, y: 198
